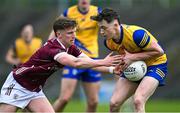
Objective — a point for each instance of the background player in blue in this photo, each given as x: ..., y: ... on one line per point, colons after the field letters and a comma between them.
x: 134, y: 43
x: 87, y: 41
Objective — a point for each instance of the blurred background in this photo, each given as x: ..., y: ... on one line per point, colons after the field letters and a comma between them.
x: 160, y: 17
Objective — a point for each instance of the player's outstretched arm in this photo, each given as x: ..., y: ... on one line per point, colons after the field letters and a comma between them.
x: 11, y: 59
x: 86, y: 62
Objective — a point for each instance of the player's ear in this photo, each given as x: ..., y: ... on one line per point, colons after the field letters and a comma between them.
x: 116, y: 24
x: 58, y: 34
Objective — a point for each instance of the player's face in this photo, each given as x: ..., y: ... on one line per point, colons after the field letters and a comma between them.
x: 68, y: 36
x: 107, y: 29
x: 27, y: 33
x: 84, y: 3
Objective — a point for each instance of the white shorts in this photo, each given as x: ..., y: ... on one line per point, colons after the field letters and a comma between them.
x: 13, y: 93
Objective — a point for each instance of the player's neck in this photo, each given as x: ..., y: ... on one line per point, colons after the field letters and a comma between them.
x: 83, y: 10
x: 27, y: 41
x: 62, y: 43
x: 117, y: 34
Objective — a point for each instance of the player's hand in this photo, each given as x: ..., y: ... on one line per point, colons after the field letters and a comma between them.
x: 118, y: 69
x: 127, y: 59
x: 116, y: 72
x: 112, y: 60
x: 16, y: 61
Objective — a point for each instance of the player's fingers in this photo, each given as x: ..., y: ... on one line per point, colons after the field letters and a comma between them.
x: 110, y: 53
x: 117, y: 61
x: 118, y: 57
x: 124, y: 66
x: 121, y: 63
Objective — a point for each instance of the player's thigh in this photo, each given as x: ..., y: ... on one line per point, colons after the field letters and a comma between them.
x: 7, y: 108
x: 40, y: 105
x: 68, y: 86
x: 91, y: 90
x: 123, y: 90
x: 146, y: 87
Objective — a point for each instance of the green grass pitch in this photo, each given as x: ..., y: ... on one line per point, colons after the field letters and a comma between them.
x: 151, y: 106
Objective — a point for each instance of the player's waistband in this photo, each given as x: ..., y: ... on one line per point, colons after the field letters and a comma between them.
x: 157, y: 65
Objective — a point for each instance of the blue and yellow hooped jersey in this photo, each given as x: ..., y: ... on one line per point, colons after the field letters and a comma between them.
x: 24, y: 51
x: 135, y: 39
x: 87, y: 29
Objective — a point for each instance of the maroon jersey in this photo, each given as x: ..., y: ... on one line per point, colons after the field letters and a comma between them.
x: 33, y: 74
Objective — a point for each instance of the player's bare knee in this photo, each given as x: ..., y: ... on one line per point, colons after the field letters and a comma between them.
x: 115, y: 104
x: 64, y: 99
x: 93, y: 103
x: 139, y: 101
x: 114, y: 107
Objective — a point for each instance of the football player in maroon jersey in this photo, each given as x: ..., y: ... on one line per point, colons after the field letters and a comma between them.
x: 23, y: 87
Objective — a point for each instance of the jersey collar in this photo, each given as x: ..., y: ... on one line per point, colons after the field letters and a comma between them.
x: 83, y: 13
x: 61, y: 44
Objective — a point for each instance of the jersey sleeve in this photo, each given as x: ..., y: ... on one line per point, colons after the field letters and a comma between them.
x: 99, y: 10
x: 141, y: 38
x: 73, y: 50
x: 65, y: 13
x: 55, y: 52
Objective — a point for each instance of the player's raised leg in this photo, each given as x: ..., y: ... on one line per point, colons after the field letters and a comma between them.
x: 91, y: 90
x: 123, y: 90
x: 68, y: 86
x: 40, y: 105
x: 145, y: 89
x: 7, y: 108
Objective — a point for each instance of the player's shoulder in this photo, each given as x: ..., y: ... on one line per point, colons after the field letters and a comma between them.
x: 131, y: 27
x: 70, y: 10
x: 141, y: 37
x: 73, y: 47
x: 19, y: 41
x: 37, y: 39
x: 52, y: 43
x: 95, y: 8
x: 52, y: 46
x: 74, y: 7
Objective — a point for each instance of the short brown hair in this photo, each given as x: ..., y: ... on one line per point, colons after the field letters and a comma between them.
x: 63, y: 23
x: 107, y: 14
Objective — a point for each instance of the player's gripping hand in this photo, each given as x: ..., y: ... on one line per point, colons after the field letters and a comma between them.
x: 126, y: 60
x: 112, y: 60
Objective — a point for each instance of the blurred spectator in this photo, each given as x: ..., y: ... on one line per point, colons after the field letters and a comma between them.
x: 23, y: 47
